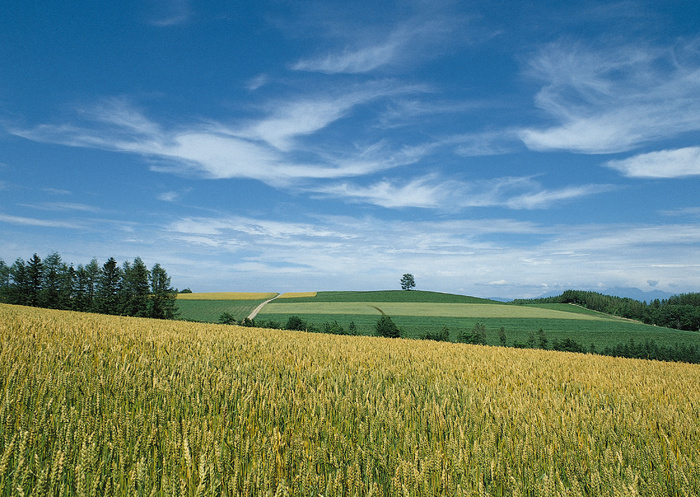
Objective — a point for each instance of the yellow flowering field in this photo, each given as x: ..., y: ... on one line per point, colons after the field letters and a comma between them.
x: 296, y: 295
x: 104, y: 405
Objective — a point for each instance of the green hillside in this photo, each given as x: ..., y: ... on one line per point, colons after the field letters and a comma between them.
x: 208, y: 311
x: 390, y: 296
x: 418, y: 313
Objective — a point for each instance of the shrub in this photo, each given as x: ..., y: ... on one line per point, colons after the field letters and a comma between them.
x: 386, y: 328
x: 477, y: 335
x: 334, y: 328
x: 227, y: 318
x: 441, y: 336
x: 295, y: 323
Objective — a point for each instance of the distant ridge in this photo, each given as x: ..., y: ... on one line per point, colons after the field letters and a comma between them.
x: 624, y: 292
x: 637, y: 294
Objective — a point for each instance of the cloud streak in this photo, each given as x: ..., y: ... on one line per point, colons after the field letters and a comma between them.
x: 375, y: 49
x: 520, y: 193
x: 264, y: 150
x: 678, y: 163
x: 44, y: 223
x: 611, y: 100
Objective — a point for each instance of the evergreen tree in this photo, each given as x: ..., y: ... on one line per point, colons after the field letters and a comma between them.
x: 531, y: 341
x: 502, y: 336
x: 135, y: 289
x: 20, y: 287
x: 542, y: 339
x: 92, y: 275
x: 476, y: 336
x: 56, y: 285
x: 35, y: 273
x: 80, y: 297
x: 162, y: 302
x: 386, y: 328
x: 4, y: 281
x: 108, y: 287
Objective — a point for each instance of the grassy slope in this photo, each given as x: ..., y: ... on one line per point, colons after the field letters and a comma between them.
x: 559, y: 321
x: 226, y: 296
x: 210, y: 310
x: 391, y: 296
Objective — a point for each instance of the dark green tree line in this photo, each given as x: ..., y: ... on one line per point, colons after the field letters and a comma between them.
x: 681, y: 312
x: 129, y: 290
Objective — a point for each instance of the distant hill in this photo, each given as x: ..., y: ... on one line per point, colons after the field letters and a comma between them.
x: 624, y: 292
x: 637, y: 294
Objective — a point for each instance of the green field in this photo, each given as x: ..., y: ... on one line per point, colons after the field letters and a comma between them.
x: 391, y: 296
x: 423, y: 309
x: 418, y: 313
x: 208, y: 311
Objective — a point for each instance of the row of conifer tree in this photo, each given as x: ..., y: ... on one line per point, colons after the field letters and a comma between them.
x: 129, y: 290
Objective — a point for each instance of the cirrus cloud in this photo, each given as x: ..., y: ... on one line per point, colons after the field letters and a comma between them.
x: 677, y: 163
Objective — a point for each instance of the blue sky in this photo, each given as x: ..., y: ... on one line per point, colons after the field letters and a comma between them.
x: 489, y: 148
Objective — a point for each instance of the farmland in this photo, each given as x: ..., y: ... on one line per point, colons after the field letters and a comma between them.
x: 418, y: 313
x: 208, y: 307
x: 107, y: 405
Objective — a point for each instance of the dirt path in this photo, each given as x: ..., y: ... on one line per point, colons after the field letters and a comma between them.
x: 259, y: 308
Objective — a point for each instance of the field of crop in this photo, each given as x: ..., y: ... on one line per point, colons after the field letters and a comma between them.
x: 423, y: 312
x: 297, y: 295
x: 105, y: 405
x: 393, y: 296
x: 480, y: 311
x: 225, y: 296
x: 209, y: 311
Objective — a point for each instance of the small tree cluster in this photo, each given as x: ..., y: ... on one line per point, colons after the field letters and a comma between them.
x: 387, y: 328
x: 440, y: 336
x: 477, y: 335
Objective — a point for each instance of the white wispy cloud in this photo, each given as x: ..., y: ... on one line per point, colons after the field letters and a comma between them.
x: 170, y: 196
x: 163, y: 13
x: 356, y: 60
x: 63, y: 206
x: 257, y: 82
x: 305, y: 116
x: 264, y: 150
x: 605, y: 100
x: 427, y: 35
x: 433, y: 191
x: 419, y: 192
x: 676, y: 163
x: 546, y: 198
x: 56, y: 191
x: 46, y: 223
x: 685, y: 211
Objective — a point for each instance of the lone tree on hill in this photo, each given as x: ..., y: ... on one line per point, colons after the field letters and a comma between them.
x: 407, y: 282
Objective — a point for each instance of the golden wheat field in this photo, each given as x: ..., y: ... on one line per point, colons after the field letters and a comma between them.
x: 100, y: 405
x: 296, y: 295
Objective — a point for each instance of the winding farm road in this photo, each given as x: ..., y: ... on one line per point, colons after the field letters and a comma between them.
x: 259, y: 308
